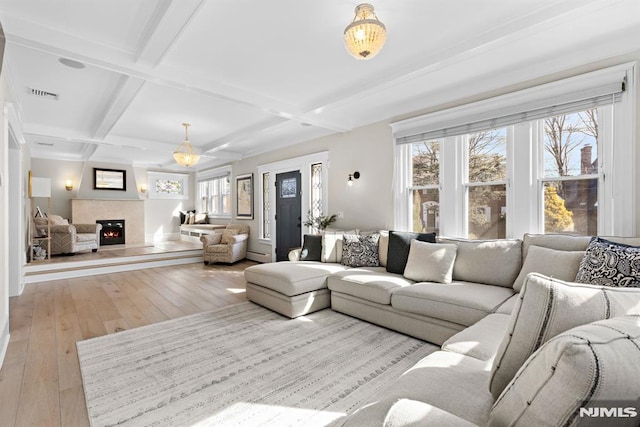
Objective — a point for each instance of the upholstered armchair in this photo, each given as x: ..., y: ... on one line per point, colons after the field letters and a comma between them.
x: 70, y: 238
x: 228, y: 246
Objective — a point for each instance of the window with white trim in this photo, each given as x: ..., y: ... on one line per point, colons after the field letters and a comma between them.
x: 486, y: 183
x: 539, y: 160
x: 214, y: 195
x: 425, y: 186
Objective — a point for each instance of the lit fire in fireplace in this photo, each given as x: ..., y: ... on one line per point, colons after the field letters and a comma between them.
x: 111, y: 234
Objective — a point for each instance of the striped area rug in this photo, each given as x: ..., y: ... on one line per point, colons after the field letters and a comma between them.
x: 242, y: 365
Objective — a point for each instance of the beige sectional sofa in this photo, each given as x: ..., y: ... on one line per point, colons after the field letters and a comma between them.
x: 517, y: 347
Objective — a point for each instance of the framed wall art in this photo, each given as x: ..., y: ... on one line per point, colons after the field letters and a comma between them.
x: 109, y: 179
x: 244, y: 196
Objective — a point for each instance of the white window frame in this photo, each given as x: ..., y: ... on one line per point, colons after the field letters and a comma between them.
x: 302, y: 164
x: 211, y: 174
x: 618, y: 202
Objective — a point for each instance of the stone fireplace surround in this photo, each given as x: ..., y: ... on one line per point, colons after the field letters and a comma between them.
x: 88, y: 211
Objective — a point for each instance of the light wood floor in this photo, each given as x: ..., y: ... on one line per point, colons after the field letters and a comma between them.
x: 40, y: 382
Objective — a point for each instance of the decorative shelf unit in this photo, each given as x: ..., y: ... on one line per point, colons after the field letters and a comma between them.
x: 40, y: 188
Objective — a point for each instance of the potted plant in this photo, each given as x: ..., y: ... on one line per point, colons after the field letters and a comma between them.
x: 319, y: 222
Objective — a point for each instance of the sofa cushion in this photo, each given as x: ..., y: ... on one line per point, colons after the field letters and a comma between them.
x: 332, y: 244
x: 463, y: 303
x: 562, y: 265
x: 559, y: 242
x: 590, y: 366
x: 547, y: 307
x: 292, y: 277
x: 564, y: 242
x: 493, y: 262
x: 360, y: 251
x: 86, y: 237
x: 399, y: 245
x: 452, y: 382
x: 507, y: 306
x: 480, y: 340
x: 608, y: 263
x: 311, y: 248
x: 430, y: 262
x: 369, y: 283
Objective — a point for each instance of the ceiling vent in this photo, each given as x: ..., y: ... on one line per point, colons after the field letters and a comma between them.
x: 43, y: 94
x: 46, y: 144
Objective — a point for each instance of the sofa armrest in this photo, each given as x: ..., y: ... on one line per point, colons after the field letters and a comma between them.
x: 87, y: 228
x: 240, y: 238
x: 63, y: 229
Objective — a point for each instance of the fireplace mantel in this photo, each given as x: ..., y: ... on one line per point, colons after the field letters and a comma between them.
x: 88, y: 211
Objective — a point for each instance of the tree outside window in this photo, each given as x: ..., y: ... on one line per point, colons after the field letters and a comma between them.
x: 571, y: 173
x: 486, y: 186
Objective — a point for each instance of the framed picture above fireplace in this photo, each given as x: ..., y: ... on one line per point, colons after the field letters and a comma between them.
x: 109, y: 179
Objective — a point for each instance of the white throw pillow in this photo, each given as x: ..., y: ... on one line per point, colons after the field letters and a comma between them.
x: 561, y: 265
x: 590, y: 366
x: 332, y: 245
x: 430, y: 262
x: 548, y: 307
x: 383, y: 247
x: 58, y: 220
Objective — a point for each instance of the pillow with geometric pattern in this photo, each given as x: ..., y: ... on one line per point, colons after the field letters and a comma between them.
x: 360, y: 251
x: 607, y: 263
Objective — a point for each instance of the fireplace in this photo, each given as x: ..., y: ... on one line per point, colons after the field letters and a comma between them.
x: 112, y: 232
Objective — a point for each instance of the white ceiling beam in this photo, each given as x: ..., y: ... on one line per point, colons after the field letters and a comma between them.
x: 241, y: 134
x: 169, y: 20
x: 47, y: 40
x: 126, y: 91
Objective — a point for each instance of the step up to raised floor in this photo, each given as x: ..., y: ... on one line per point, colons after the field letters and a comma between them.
x: 43, y: 272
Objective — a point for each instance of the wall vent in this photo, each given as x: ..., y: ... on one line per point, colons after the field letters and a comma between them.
x: 43, y: 94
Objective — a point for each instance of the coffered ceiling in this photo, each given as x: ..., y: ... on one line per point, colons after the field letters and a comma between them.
x: 253, y: 76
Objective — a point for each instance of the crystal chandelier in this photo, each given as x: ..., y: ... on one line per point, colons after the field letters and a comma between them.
x: 184, y: 154
x: 366, y: 35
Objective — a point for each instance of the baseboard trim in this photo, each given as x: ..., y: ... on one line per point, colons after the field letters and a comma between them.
x: 259, y: 257
x: 4, y: 341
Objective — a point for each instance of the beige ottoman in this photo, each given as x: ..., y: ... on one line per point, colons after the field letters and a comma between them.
x: 291, y: 288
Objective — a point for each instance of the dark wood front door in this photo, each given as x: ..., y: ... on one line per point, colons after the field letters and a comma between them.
x: 288, y: 213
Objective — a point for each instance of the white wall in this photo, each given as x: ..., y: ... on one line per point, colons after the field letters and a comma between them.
x: 366, y: 205
x: 4, y: 226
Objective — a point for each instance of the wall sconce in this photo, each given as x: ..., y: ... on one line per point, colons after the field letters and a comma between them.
x: 143, y: 188
x: 353, y: 176
x: 68, y: 185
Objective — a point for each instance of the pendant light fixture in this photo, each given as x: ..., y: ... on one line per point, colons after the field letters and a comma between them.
x: 184, y: 154
x: 366, y: 35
